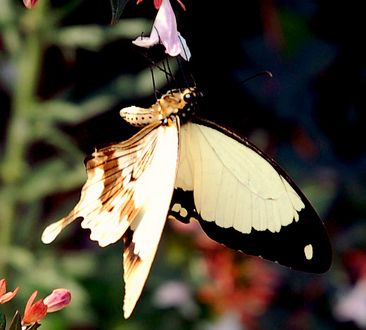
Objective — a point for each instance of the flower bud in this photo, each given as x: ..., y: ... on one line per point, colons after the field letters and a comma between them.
x: 57, y: 300
x: 30, y: 3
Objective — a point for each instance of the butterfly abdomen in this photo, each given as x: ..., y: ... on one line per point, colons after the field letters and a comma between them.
x: 139, y: 117
x: 178, y: 102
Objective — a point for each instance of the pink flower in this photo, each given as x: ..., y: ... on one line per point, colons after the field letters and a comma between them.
x: 30, y: 3
x: 57, y: 300
x: 165, y: 32
x: 34, y: 312
x: 6, y: 296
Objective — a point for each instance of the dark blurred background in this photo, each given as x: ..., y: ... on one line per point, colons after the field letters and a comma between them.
x: 64, y: 74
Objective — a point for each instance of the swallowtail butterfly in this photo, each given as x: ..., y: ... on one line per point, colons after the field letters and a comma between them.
x: 185, y: 166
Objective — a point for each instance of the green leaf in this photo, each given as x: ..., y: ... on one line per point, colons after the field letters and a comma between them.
x: 117, y: 8
x: 94, y: 37
x: 16, y: 322
x: 49, y: 177
x: 2, y: 321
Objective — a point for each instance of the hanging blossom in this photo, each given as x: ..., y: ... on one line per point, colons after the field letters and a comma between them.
x: 6, y: 296
x: 165, y: 32
x: 36, y: 311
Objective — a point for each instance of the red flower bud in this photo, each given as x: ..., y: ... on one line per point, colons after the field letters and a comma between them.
x: 34, y: 312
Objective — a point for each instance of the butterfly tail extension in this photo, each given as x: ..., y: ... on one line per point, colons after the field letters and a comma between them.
x: 53, y: 230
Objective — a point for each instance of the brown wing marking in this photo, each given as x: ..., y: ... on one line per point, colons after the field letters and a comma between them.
x: 106, y: 204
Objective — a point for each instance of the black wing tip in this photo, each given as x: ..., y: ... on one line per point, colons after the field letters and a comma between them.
x: 284, y: 248
x: 321, y: 262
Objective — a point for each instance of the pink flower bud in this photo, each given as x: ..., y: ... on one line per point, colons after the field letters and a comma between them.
x: 57, y: 300
x: 30, y: 3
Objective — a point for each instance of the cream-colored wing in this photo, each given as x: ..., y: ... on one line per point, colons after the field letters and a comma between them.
x: 232, y: 184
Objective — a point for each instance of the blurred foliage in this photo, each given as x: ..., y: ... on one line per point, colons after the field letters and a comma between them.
x: 64, y: 74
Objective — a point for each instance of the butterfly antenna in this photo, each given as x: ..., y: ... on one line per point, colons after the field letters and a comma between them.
x: 259, y: 74
x: 153, y: 82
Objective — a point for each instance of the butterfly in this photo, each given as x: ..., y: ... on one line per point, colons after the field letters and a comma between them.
x: 184, y: 166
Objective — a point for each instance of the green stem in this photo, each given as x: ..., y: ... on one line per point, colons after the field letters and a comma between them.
x: 14, y: 168
x: 10, y: 35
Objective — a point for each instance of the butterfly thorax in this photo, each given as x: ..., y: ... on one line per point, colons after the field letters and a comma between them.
x: 177, y: 102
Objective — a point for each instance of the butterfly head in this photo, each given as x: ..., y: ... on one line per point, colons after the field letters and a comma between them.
x: 182, y: 102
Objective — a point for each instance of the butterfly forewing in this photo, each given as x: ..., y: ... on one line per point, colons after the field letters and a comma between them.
x: 246, y: 201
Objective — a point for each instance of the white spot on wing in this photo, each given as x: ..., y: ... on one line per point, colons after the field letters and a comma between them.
x: 308, y: 251
x: 176, y: 207
x: 183, y: 212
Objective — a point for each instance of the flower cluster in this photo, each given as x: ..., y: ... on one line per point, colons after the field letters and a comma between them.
x: 235, y: 279
x: 243, y: 286
x: 34, y: 311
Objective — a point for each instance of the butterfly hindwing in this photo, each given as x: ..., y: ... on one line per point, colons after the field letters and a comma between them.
x: 285, y: 247
x: 182, y: 206
x: 247, y: 202
x: 299, y: 245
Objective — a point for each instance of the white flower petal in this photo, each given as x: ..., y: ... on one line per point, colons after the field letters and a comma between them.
x: 145, y: 42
